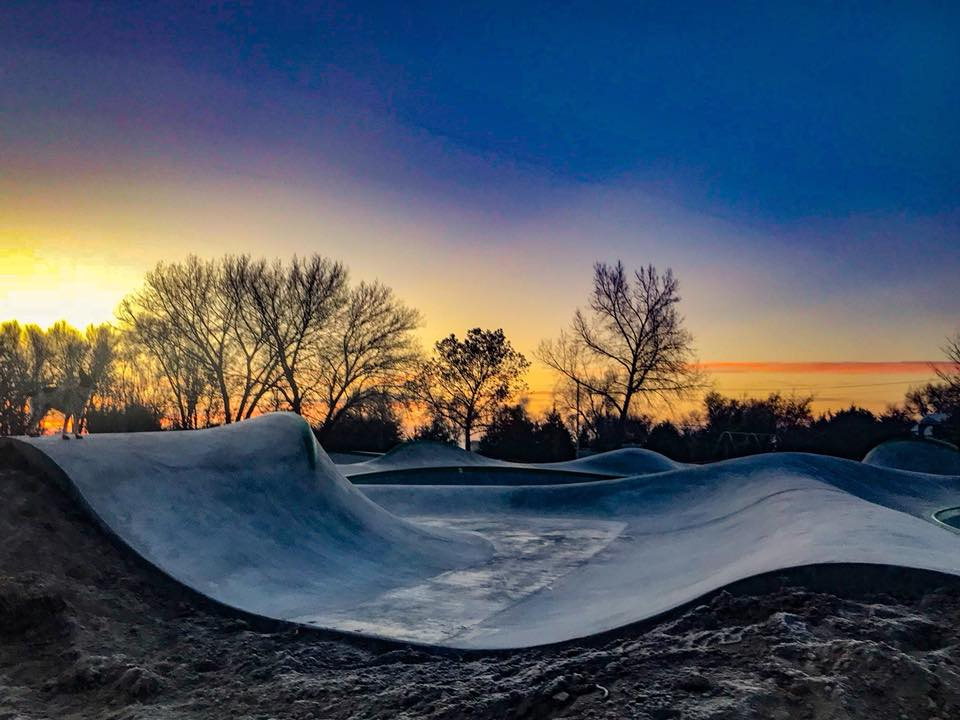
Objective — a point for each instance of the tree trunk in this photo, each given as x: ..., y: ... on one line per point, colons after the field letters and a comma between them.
x: 466, y: 435
x: 622, y: 420
x: 296, y: 401
x: 225, y: 397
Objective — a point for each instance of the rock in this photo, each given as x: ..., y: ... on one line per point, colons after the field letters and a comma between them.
x: 693, y: 682
x: 27, y: 606
x: 139, y: 683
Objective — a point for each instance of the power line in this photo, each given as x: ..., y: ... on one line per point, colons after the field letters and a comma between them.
x: 830, y: 387
x: 795, y: 386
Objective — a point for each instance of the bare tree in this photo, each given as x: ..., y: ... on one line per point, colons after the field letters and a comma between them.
x: 99, y: 359
x: 467, y: 380
x: 15, y: 378
x: 135, y: 381
x: 67, y: 352
x: 951, y: 375
x: 273, y: 335
x: 155, y: 347
x: 291, y: 308
x: 31, y: 358
x: 582, y: 409
x: 193, y: 305
x: 583, y: 392
x: 943, y: 396
x: 39, y: 354
x: 368, y: 356
x: 101, y: 342
x: 630, y: 341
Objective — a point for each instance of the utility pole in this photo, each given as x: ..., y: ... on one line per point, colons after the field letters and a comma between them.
x: 577, y: 422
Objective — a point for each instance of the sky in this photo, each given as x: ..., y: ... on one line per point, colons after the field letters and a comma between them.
x: 796, y: 164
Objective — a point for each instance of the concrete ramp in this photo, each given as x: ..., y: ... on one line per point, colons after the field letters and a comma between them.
x: 430, y: 463
x: 927, y: 456
x: 256, y: 516
x: 252, y: 515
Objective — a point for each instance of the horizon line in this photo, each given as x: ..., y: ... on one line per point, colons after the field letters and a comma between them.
x: 827, y: 366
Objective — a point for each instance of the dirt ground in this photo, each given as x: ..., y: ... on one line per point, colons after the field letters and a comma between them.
x: 86, y: 631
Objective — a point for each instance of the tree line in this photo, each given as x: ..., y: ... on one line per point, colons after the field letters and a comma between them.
x: 721, y: 428
x: 212, y: 341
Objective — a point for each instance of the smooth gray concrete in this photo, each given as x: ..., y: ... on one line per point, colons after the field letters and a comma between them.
x: 949, y: 517
x: 428, y: 463
x: 929, y: 456
x: 255, y: 516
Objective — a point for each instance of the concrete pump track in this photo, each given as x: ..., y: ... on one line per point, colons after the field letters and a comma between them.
x: 444, y: 548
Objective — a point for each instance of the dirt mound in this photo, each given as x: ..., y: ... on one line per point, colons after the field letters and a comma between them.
x: 87, y: 631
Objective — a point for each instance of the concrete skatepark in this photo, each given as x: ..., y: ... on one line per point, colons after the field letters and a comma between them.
x: 428, y: 463
x: 256, y: 517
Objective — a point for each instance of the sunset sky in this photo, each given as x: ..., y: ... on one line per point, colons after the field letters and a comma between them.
x: 796, y: 164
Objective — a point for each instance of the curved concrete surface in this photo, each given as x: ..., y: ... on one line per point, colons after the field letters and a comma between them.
x: 252, y: 515
x: 926, y: 456
x: 350, y: 458
x: 255, y: 516
x: 628, y: 461
x: 949, y: 517
x: 429, y: 463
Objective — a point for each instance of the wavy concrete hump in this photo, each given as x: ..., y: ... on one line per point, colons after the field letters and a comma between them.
x: 927, y: 456
x: 430, y: 463
x: 255, y: 516
x: 252, y: 515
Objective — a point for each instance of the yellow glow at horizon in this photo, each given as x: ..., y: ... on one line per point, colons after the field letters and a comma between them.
x: 44, y: 284
x: 832, y: 389
x: 71, y: 248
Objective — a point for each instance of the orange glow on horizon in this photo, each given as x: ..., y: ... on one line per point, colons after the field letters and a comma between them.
x: 834, y: 385
x: 49, y: 272
x: 833, y: 367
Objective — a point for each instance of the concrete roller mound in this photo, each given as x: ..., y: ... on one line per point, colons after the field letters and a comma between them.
x: 252, y: 515
x: 928, y: 456
x: 429, y: 463
x: 255, y: 516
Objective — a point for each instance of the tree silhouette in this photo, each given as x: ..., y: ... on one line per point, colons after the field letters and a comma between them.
x: 235, y: 335
x: 376, y: 428
x: 467, y: 380
x: 943, y: 396
x: 510, y: 435
x: 553, y: 439
x: 513, y: 435
x: 629, y: 342
x: 15, y: 378
x: 290, y: 306
x: 437, y: 430
x: 366, y: 357
x: 951, y: 375
x: 666, y: 439
x: 32, y: 358
x: 193, y: 322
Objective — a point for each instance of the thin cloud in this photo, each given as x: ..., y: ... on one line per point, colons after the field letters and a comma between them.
x: 853, y: 367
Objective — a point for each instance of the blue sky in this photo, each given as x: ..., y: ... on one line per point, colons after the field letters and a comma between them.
x: 797, y: 164
x: 782, y: 110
